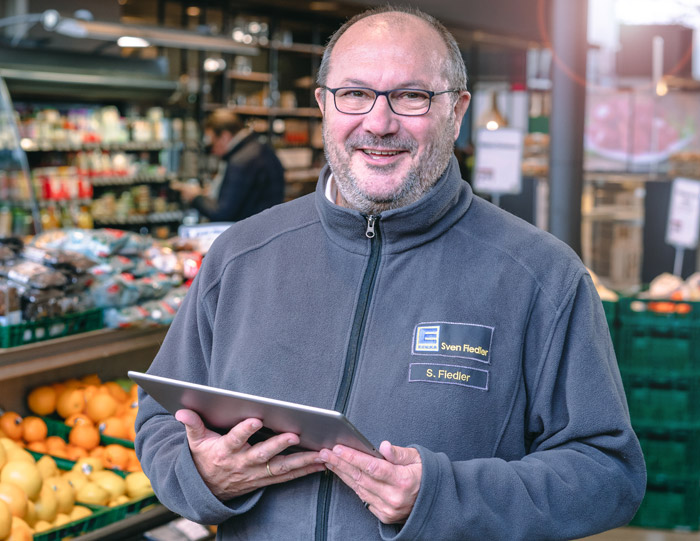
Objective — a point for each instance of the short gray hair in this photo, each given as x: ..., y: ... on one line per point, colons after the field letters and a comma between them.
x: 456, y: 70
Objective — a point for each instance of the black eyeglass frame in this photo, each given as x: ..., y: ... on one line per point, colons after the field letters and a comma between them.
x: 386, y: 93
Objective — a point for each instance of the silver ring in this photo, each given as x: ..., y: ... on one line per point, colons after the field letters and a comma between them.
x: 268, y: 469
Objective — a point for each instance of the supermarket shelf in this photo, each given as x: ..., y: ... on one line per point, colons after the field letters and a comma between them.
x: 77, y: 349
x: 260, y: 110
x: 140, y: 219
x: 40, y: 146
x: 257, y: 77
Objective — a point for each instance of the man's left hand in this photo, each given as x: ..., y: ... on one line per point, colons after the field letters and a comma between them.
x: 388, y: 487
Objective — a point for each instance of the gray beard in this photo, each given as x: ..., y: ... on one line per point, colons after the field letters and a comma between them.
x: 418, y: 181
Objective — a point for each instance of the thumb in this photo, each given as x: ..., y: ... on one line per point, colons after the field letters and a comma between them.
x: 401, y: 456
x: 194, y: 426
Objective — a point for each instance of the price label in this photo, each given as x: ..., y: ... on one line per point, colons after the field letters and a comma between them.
x: 498, y: 161
x: 684, y: 214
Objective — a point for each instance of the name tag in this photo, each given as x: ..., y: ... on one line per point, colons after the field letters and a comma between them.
x: 450, y: 374
x: 462, y: 340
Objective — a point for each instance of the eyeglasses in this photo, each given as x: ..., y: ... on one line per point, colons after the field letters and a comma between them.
x: 357, y: 100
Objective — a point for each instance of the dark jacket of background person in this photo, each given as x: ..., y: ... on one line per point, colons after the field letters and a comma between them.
x: 253, y: 181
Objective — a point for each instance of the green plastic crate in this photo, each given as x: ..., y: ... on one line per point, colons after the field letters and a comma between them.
x: 674, y: 454
x: 658, y: 343
x: 668, y: 402
x: 46, y: 329
x: 670, y: 505
x: 610, y: 308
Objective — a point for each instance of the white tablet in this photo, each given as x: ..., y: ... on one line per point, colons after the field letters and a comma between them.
x: 221, y: 409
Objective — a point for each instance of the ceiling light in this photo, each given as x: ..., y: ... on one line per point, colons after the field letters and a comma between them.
x: 193, y: 11
x: 132, y: 41
x: 214, y: 65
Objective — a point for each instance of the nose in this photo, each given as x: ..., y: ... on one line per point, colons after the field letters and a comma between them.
x: 381, y: 120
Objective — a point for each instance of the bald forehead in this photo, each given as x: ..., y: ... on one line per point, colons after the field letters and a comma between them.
x: 392, y: 26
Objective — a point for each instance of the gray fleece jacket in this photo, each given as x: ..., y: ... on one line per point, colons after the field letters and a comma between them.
x: 458, y: 329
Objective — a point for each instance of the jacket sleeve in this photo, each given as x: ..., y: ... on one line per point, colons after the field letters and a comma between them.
x: 584, y: 471
x: 161, y: 443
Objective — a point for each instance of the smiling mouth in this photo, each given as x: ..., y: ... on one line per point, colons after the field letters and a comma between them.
x: 381, y: 153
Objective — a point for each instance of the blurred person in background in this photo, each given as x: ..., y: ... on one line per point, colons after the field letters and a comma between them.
x: 251, y: 179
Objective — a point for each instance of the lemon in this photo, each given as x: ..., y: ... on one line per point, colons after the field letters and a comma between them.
x: 23, y: 474
x: 80, y: 511
x: 110, y: 481
x: 46, y: 505
x: 5, y: 519
x: 64, y: 491
x: 138, y: 485
x: 92, y: 493
x: 47, y: 467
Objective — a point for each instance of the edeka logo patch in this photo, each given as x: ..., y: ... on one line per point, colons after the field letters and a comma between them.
x: 446, y: 339
x: 427, y: 338
x: 450, y: 374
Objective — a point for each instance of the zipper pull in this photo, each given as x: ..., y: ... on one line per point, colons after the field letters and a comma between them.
x: 369, y: 232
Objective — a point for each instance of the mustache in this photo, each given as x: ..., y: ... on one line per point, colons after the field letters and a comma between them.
x: 389, y: 142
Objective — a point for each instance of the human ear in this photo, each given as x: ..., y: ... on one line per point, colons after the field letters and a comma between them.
x: 460, y: 109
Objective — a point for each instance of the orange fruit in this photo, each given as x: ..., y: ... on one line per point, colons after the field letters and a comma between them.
x: 42, y: 400
x: 100, y: 406
x: 34, y: 429
x: 97, y: 452
x: 91, y: 379
x: 11, y: 425
x: 116, y: 390
x: 89, y: 391
x: 73, y: 452
x: 85, y: 436
x: 134, y: 392
x: 70, y: 401
x: 115, y: 456
x: 113, y: 427
x: 38, y: 447
x: 56, y: 446
x: 15, y: 498
x: 77, y: 418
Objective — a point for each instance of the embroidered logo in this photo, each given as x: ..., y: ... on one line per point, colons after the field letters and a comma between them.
x: 427, y: 338
x: 447, y: 339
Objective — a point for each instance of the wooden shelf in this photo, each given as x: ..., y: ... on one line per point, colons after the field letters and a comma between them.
x: 76, y: 349
x: 259, y: 110
x: 258, y: 77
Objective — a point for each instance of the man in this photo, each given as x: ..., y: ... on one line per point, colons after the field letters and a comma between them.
x: 253, y: 178
x: 473, y: 346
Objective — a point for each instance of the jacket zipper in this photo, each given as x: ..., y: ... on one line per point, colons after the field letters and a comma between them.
x: 358, y: 324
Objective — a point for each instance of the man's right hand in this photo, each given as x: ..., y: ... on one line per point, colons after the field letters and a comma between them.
x: 231, y: 467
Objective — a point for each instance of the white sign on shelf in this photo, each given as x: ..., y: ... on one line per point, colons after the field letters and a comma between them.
x: 498, y: 161
x: 684, y: 214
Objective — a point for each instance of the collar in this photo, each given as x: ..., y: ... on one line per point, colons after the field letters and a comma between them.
x: 237, y: 140
x: 403, y: 228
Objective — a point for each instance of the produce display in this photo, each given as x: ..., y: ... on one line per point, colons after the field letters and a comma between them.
x: 134, y: 279
x: 61, y: 463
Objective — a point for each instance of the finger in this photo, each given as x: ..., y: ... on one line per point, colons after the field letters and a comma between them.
x: 265, y: 450
x: 359, y: 464
x: 284, y: 468
x: 402, y: 456
x: 196, y: 431
x: 238, y: 436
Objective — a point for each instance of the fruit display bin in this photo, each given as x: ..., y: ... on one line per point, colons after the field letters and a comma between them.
x: 658, y: 337
x: 101, y: 517
x: 45, y: 329
x: 610, y: 308
x: 670, y: 504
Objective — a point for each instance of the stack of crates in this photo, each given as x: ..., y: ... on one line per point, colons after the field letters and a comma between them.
x: 658, y: 350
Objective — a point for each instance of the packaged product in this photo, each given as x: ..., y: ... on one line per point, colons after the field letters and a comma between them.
x: 34, y: 275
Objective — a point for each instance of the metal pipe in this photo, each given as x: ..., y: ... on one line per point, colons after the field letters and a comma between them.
x: 569, y: 46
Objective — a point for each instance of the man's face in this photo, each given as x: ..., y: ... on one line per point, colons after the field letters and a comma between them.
x: 381, y: 160
x: 219, y: 143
